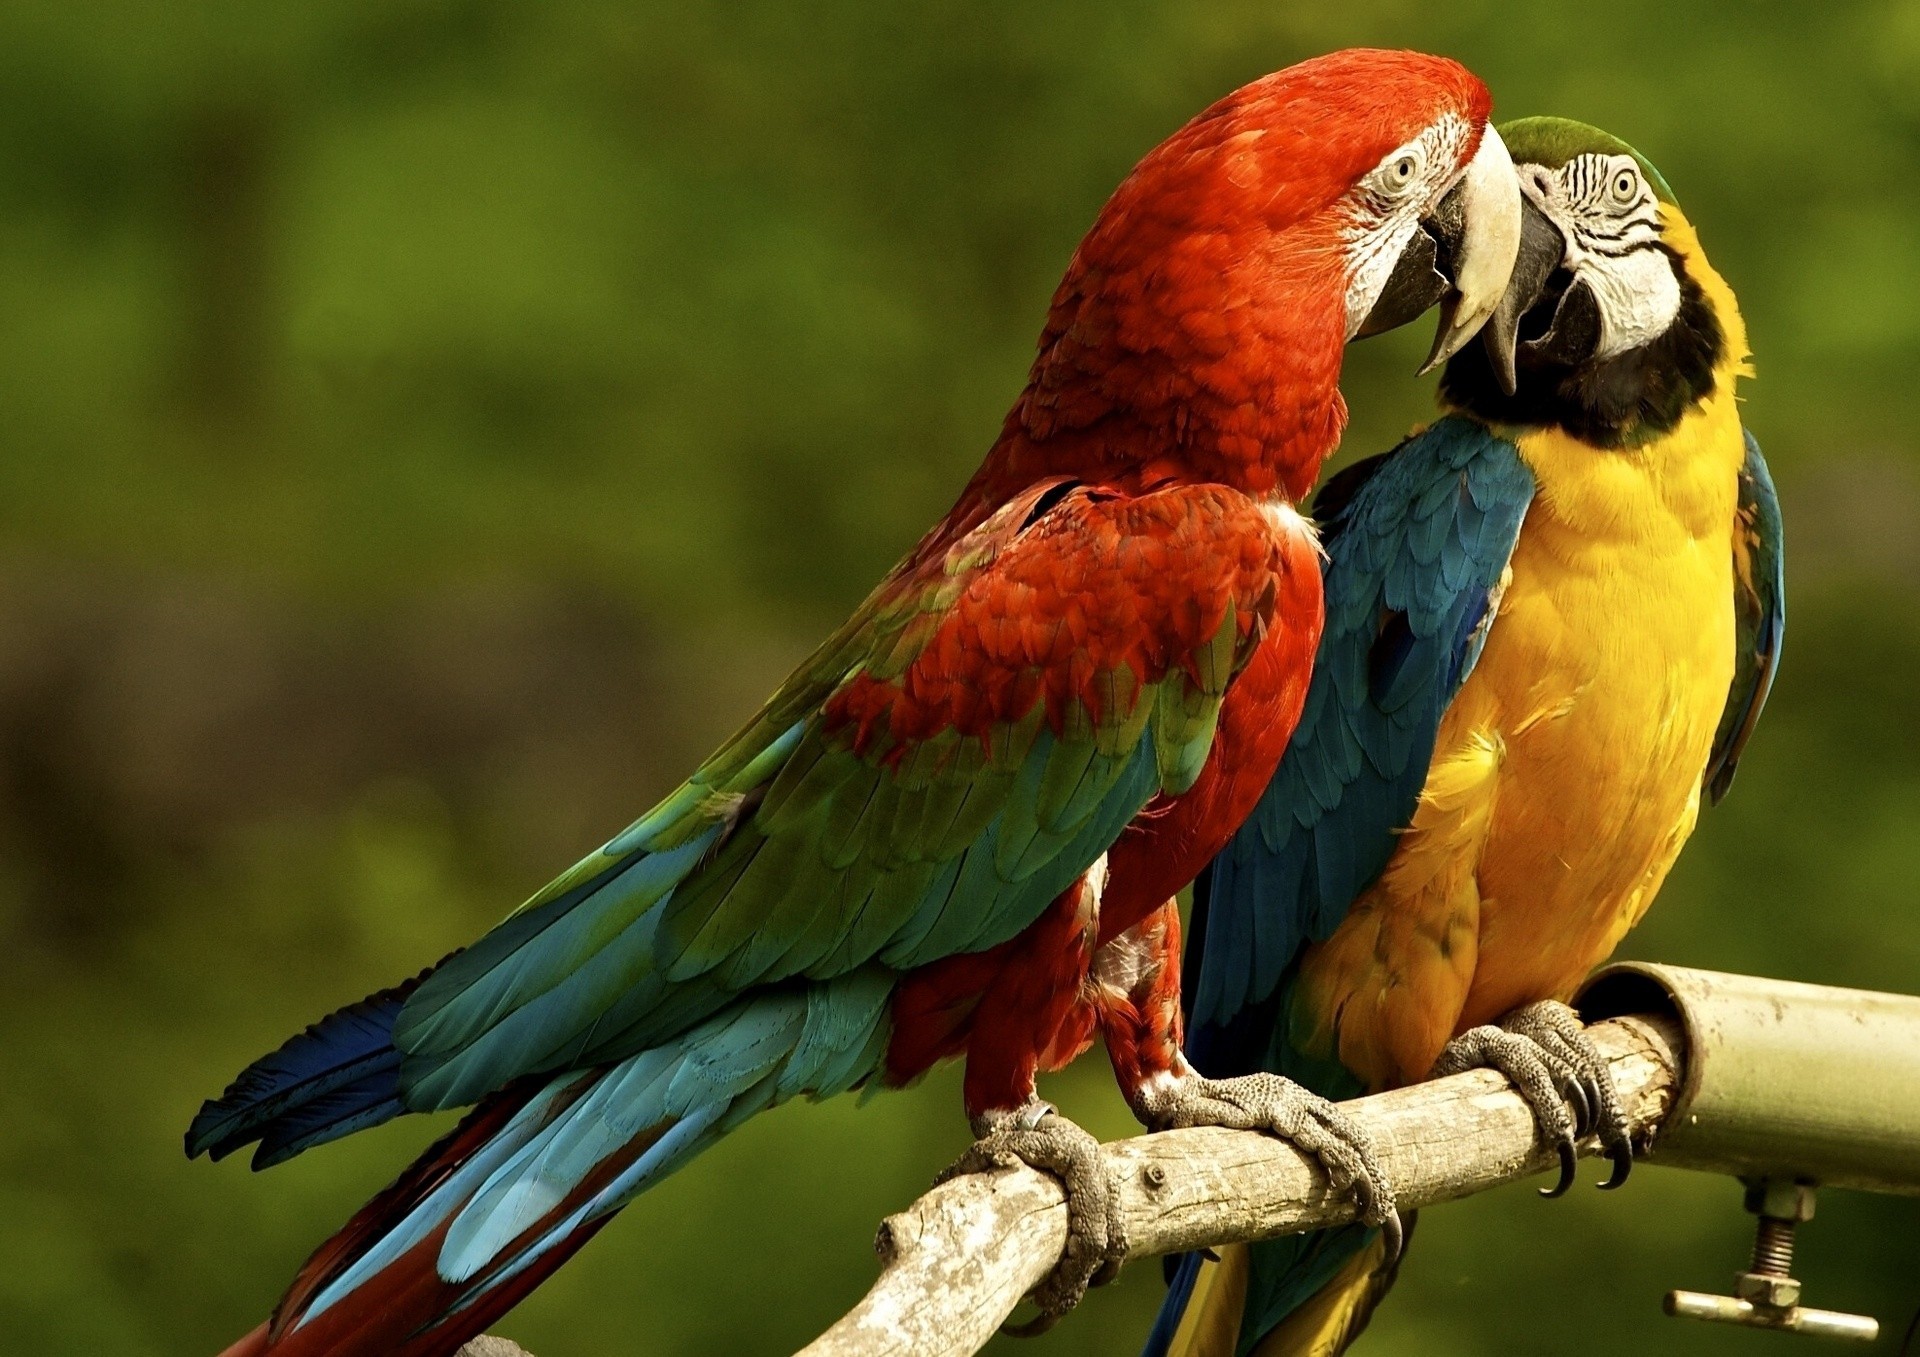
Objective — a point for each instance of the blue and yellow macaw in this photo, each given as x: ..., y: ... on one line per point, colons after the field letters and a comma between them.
x: 1552, y: 620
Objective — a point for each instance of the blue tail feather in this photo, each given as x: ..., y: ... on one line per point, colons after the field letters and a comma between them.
x: 502, y: 1201
x: 353, y: 1107
x: 341, y: 1074
x: 1183, y: 1270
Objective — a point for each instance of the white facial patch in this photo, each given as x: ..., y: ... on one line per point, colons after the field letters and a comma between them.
x: 1385, y: 207
x: 1610, y: 217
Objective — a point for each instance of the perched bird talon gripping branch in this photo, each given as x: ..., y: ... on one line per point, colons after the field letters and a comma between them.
x: 950, y: 831
x: 1311, y: 1123
x: 1552, y: 620
x: 1546, y: 1054
x: 1038, y: 1136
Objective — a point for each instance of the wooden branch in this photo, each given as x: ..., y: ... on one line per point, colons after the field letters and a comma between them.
x: 957, y: 1262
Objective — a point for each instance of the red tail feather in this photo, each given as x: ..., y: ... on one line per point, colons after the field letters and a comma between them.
x: 406, y: 1309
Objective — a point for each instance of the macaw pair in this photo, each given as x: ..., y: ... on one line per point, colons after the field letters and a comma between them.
x: 1552, y: 620
x: 956, y: 830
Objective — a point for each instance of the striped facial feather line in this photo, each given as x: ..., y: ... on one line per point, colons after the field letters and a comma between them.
x: 1610, y: 205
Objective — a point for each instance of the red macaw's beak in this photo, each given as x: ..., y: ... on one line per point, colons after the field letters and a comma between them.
x: 1459, y: 257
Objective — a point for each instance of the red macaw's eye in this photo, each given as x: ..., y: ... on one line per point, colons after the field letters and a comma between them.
x: 1400, y: 173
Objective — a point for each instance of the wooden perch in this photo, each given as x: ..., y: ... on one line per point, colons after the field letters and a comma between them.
x: 957, y: 1261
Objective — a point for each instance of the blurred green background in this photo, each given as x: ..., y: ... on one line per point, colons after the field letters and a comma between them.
x: 429, y: 426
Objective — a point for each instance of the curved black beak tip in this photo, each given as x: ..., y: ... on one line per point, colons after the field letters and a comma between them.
x: 1542, y: 249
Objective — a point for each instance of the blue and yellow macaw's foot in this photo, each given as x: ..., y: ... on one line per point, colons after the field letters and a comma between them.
x: 1311, y: 1124
x: 1551, y: 1061
x: 1038, y: 1136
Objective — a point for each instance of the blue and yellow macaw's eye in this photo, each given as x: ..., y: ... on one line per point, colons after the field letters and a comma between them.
x: 1626, y: 186
x: 1604, y: 195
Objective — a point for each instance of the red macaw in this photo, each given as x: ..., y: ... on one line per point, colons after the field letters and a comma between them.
x: 1044, y: 722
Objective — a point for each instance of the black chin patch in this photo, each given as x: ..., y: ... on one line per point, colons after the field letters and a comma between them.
x: 1621, y: 402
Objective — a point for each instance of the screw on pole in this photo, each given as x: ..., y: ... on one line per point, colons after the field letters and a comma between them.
x: 1773, y: 1247
x: 1766, y: 1296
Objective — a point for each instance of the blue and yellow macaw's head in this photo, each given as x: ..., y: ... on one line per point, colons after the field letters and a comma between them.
x: 1613, y: 325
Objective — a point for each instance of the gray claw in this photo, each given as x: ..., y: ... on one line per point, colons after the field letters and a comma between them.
x: 1569, y: 1157
x: 1582, y: 1105
x: 1308, y: 1122
x: 1394, y: 1236
x: 1622, y: 1157
x: 1552, y: 1062
x: 1038, y: 1136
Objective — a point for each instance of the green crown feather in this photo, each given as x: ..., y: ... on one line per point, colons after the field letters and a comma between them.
x: 1552, y: 142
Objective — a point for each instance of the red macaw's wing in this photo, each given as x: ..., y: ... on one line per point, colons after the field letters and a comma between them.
x: 925, y: 785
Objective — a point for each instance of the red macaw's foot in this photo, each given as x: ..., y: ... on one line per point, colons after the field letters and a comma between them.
x: 1311, y: 1124
x: 1038, y: 1136
x: 1551, y: 1061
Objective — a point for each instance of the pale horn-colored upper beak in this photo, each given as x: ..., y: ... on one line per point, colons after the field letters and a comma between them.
x: 1480, y: 219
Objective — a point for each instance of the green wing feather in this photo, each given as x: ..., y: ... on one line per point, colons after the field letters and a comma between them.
x: 810, y: 847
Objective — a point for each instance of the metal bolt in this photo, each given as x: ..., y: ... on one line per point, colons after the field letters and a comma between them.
x: 1766, y: 1296
x: 1155, y: 1176
x: 1778, y: 1293
x: 1779, y: 1206
x: 1780, y: 1199
x: 1773, y: 1247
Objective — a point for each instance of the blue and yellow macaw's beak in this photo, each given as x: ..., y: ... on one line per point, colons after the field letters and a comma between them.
x: 1544, y: 310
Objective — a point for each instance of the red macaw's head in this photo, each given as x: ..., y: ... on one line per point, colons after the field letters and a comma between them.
x: 1198, y: 332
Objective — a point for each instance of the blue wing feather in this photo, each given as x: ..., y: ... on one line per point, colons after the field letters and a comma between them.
x: 1760, y: 616
x: 1401, y: 529
x: 330, y: 1072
